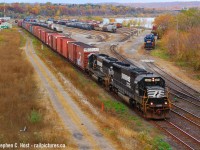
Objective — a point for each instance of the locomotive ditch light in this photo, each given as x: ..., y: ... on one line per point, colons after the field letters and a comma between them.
x: 165, y: 103
x: 151, y: 103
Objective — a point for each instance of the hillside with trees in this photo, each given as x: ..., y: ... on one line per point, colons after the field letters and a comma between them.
x: 19, y: 10
x: 180, y: 37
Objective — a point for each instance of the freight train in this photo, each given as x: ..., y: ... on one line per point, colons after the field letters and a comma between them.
x: 91, y: 26
x: 149, y: 41
x: 141, y: 89
x: 56, y: 25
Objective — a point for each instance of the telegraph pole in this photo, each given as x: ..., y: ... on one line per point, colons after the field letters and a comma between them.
x: 4, y: 9
x: 177, y: 29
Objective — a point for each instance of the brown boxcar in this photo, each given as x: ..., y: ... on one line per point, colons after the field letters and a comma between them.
x: 44, y: 35
x: 64, y: 46
x: 55, y: 37
x: 78, y: 53
x: 47, y: 35
x: 43, y: 31
x: 28, y: 26
x: 35, y: 28
x: 59, y: 44
x: 20, y: 23
x: 43, y: 38
x: 50, y: 39
x: 71, y: 51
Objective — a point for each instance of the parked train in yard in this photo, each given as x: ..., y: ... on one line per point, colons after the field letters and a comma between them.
x: 141, y: 89
x: 149, y: 41
x: 55, y: 25
x: 90, y: 26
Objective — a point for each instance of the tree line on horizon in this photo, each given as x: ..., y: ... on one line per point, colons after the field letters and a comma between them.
x: 20, y: 10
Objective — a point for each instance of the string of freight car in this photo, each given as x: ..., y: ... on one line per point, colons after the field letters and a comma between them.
x: 141, y: 89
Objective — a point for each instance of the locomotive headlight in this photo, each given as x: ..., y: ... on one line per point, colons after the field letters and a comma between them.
x: 153, y: 79
x: 151, y: 103
x: 165, y: 103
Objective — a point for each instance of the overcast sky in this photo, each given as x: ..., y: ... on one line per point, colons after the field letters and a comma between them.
x: 91, y: 1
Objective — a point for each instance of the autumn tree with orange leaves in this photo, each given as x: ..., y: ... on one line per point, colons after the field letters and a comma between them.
x: 181, y: 36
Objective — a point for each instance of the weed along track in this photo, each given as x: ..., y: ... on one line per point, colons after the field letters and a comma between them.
x: 85, y: 134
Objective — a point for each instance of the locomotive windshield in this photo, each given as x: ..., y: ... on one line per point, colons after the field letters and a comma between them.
x: 150, y: 82
x: 153, y: 82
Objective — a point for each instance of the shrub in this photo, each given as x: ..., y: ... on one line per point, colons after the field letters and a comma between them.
x: 160, y: 144
x: 35, y: 116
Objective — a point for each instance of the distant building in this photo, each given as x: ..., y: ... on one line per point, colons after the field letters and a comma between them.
x: 5, y: 18
x: 5, y: 25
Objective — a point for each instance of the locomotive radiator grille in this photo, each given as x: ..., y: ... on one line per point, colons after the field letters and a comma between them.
x: 155, y: 92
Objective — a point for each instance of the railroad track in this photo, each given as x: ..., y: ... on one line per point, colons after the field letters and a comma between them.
x: 100, y: 35
x: 119, y: 56
x: 187, y: 140
x: 174, y: 129
x: 185, y: 97
x: 177, y: 87
x: 182, y: 117
x: 187, y: 114
x: 179, y: 84
x: 189, y: 110
x: 127, y: 34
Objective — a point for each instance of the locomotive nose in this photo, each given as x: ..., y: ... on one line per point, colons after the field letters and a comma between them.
x: 158, y: 112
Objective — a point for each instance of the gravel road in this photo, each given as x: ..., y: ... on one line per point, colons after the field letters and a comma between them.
x: 83, y: 131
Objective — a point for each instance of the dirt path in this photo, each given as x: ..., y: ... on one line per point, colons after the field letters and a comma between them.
x: 85, y: 134
x: 133, y: 45
x: 132, y: 50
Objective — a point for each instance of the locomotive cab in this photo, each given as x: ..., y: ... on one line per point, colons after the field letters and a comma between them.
x: 151, y: 93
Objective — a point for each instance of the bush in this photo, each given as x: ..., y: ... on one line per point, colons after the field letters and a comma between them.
x: 160, y: 144
x: 181, y: 36
x: 35, y: 116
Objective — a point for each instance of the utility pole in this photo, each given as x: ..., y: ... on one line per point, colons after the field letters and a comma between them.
x: 177, y: 28
x: 4, y: 9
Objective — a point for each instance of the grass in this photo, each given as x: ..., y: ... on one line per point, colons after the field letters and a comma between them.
x: 35, y: 116
x: 160, y: 52
x: 121, y: 125
x: 182, y: 63
x: 22, y: 100
x: 160, y: 144
x: 115, y: 106
x: 197, y: 77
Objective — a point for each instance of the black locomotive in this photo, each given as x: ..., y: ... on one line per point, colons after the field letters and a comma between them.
x: 141, y: 89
